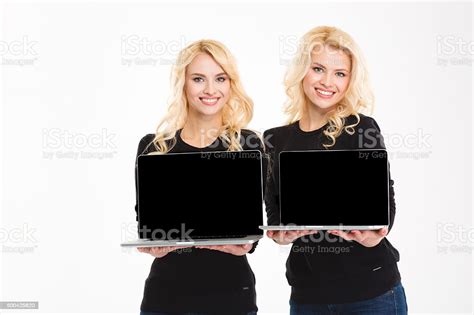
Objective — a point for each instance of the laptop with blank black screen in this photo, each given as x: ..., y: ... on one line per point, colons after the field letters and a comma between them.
x: 333, y: 190
x: 199, y: 198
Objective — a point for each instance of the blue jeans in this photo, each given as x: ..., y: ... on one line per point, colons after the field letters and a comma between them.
x: 392, y: 302
x: 153, y: 313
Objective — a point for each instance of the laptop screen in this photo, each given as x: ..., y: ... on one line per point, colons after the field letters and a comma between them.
x: 334, y: 188
x: 200, y: 195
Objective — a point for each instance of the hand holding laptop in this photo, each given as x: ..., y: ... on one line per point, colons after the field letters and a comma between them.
x: 288, y: 237
x: 365, y: 238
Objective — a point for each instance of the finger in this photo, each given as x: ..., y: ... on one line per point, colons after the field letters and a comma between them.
x: 237, y: 249
x: 343, y: 235
x: 292, y: 234
x: 382, y: 232
x: 359, y: 236
x: 143, y: 249
x: 247, y: 247
x: 155, y: 250
x: 289, y: 236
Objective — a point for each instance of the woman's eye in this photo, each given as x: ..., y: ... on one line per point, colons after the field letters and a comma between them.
x: 198, y: 79
x: 318, y: 69
x: 340, y: 74
x: 221, y: 79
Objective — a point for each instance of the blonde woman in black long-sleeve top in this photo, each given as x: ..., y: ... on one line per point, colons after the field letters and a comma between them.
x: 208, y: 112
x: 327, y: 87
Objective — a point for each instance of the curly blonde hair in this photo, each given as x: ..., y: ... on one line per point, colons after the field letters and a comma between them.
x: 358, y: 97
x: 236, y: 113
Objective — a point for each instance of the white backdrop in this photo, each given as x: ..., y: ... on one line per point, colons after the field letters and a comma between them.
x: 82, y: 83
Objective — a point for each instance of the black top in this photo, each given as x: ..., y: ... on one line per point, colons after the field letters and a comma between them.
x: 321, y: 271
x: 200, y: 280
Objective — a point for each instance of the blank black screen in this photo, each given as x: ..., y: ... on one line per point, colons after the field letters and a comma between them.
x: 334, y: 187
x: 215, y: 194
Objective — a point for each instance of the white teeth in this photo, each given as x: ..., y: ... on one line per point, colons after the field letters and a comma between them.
x: 324, y: 92
x: 210, y: 100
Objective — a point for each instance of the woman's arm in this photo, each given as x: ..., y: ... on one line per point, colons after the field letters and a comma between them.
x: 272, y: 198
x: 371, y: 138
x: 143, y: 146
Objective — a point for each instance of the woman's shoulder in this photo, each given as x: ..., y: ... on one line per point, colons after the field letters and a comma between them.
x: 147, y: 138
x: 278, y: 131
x: 367, y: 133
x: 248, y: 133
x: 146, y: 144
x: 365, y: 122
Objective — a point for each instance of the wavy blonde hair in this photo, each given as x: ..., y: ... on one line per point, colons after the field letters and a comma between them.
x: 236, y: 113
x: 358, y: 97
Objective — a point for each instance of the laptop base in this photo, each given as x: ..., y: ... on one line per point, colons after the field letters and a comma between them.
x: 320, y: 227
x: 190, y: 243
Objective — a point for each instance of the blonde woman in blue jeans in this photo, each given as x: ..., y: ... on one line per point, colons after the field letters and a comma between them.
x: 344, y: 272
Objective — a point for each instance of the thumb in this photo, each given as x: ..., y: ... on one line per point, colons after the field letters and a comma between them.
x: 247, y: 246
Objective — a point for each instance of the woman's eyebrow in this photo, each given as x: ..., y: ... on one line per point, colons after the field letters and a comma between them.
x: 198, y: 74
x: 320, y: 65
x: 203, y: 75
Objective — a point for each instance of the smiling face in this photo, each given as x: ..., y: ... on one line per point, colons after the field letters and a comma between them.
x: 207, y: 86
x: 328, y: 77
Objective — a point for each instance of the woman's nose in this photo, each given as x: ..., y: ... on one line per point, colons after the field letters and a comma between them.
x: 210, y: 89
x: 326, y: 80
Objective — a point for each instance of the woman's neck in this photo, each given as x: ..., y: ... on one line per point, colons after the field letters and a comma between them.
x: 201, y: 131
x: 313, y: 118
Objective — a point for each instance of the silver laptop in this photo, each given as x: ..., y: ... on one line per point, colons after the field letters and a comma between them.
x: 199, y: 198
x: 333, y: 190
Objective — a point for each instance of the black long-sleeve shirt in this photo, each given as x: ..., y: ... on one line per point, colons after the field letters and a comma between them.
x: 321, y: 271
x: 200, y: 280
